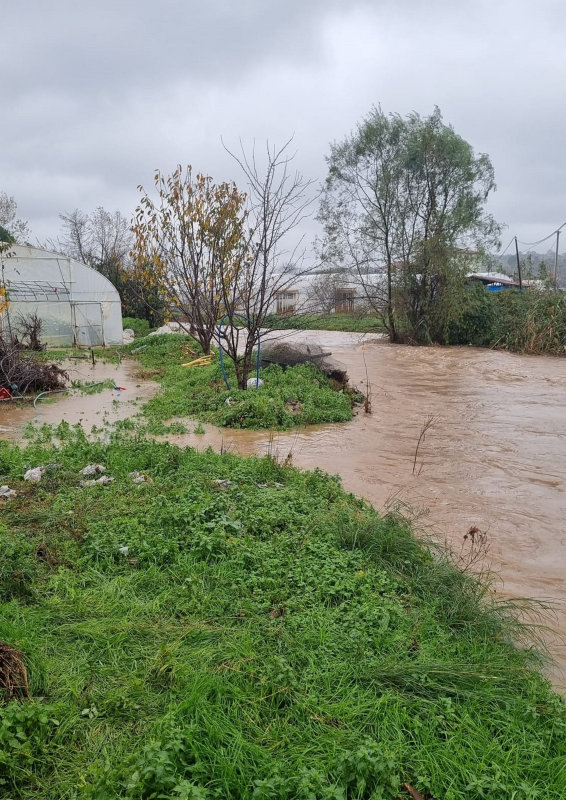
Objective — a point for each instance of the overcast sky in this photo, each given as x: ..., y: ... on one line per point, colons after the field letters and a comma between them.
x: 96, y: 95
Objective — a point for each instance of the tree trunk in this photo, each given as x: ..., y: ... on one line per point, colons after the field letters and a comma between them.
x: 393, y: 335
x: 242, y: 367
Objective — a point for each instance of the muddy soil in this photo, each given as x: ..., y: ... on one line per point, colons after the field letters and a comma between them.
x: 493, y: 458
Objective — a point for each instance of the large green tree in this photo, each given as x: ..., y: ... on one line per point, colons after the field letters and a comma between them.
x: 403, y: 202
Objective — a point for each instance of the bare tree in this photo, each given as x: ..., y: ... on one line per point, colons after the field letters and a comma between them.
x: 279, y: 199
x: 14, y: 227
x: 29, y: 327
x: 102, y: 240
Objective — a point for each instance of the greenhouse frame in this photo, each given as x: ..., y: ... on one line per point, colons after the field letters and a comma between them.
x: 77, y: 305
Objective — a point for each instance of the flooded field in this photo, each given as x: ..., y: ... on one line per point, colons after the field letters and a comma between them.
x: 493, y: 458
x: 108, y: 404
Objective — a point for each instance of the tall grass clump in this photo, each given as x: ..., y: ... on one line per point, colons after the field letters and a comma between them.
x: 236, y: 628
x: 532, y: 321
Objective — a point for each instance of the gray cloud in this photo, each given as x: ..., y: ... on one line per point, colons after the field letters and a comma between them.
x: 95, y: 96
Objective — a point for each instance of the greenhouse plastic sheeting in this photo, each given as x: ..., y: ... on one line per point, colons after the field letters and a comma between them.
x: 76, y: 304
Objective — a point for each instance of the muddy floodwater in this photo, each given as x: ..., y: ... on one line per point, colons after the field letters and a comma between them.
x: 493, y: 458
x: 76, y: 407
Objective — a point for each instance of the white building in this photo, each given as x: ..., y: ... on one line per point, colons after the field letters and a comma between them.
x: 337, y: 292
x: 76, y: 304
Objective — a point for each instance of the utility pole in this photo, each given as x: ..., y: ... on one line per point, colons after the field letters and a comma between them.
x: 556, y: 261
x: 518, y: 263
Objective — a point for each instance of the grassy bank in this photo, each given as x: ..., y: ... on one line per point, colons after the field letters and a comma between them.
x: 297, y: 396
x: 362, y: 323
x: 264, y: 635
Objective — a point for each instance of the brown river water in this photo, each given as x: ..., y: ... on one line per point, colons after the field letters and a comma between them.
x: 494, y: 456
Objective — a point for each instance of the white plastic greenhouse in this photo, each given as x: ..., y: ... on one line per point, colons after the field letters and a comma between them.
x: 76, y: 304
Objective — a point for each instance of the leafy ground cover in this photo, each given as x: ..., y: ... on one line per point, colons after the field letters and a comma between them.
x: 208, y: 626
x: 235, y: 628
x: 363, y: 323
x: 296, y: 396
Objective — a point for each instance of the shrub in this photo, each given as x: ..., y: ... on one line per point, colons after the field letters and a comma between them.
x: 139, y: 326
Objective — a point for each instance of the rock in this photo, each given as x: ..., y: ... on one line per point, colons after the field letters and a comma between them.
x: 224, y: 484
x: 137, y: 477
x: 34, y: 475
x: 230, y: 402
x: 128, y: 336
x: 6, y: 493
x: 254, y: 383
x: 171, y: 327
x: 288, y: 354
x: 98, y: 482
x: 93, y: 469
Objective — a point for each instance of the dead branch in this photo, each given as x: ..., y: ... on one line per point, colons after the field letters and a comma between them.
x: 13, y: 674
x: 23, y: 374
x: 428, y: 423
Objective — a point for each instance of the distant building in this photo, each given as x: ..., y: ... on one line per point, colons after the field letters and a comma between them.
x: 323, y: 292
x: 76, y: 304
x: 494, y: 281
x: 343, y: 291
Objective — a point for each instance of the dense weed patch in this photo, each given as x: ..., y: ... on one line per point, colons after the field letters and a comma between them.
x: 532, y: 321
x: 235, y: 628
x: 140, y: 327
x: 299, y: 395
x: 526, y: 322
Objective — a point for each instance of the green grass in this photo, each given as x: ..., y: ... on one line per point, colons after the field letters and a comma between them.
x: 530, y: 321
x: 266, y: 636
x: 296, y: 396
x: 362, y: 323
x: 140, y: 327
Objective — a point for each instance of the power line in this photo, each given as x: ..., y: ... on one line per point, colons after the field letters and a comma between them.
x: 550, y: 235
x: 507, y: 248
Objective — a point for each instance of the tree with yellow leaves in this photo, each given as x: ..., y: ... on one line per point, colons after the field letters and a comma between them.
x: 221, y: 254
x: 192, y: 242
